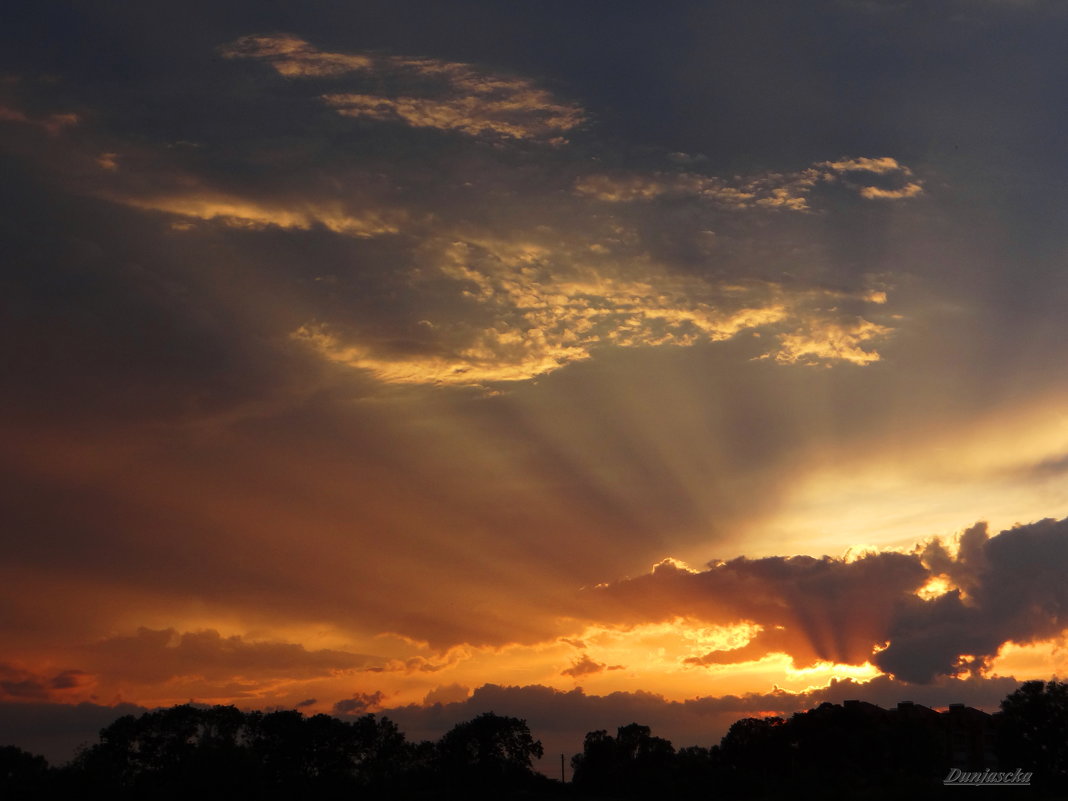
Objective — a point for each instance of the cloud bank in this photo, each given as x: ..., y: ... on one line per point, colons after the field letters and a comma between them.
x: 994, y: 590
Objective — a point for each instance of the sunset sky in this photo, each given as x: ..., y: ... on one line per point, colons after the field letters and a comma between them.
x: 589, y: 362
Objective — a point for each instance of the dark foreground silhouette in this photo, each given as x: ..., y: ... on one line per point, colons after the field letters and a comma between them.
x: 850, y: 751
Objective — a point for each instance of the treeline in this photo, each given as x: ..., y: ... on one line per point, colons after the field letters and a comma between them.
x: 193, y: 753
x: 850, y: 751
x: 855, y: 750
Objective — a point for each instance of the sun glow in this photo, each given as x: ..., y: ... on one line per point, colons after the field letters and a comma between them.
x: 935, y: 587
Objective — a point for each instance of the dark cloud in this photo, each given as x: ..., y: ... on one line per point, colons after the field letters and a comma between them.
x: 1011, y: 590
x: 1006, y: 588
x: 18, y: 683
x: 359, y: 704
x: 561, y: 719
x: 447, y: 694
x: 815, y: 609
x: 586, y: 666
x: 156, y: 655
x: 57, y: 731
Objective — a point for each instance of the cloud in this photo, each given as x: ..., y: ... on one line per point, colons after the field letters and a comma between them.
x: 1000, y: 589
x: 447, y: 694
x: 57, y: 730
x: 240, y: 212
x: 18, y: 683
x: 359, y: 704
x: 462, y: 295
x: 586, y: 666
x: 544, y: 306
x: 452, y: 96
x: 911, y: 189
x: 828, y: 610
x: 1010, y: 590
x: 822, y: 341
x: 871, y: 178
x: 772, y: 190
x: 52, y: 124
x: 874, y: 178
x: 153, y: 656
x: 560, y: 719
x: 295, y: 58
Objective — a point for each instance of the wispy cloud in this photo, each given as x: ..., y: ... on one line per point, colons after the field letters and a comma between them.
x: 536, y: 308
x: 431, y: 93
x: 52, y: 124
x: 871, y: 178
x: 241, y: 212
x: 824, y: 341
x: 543, y: 277
x: 293, y: 57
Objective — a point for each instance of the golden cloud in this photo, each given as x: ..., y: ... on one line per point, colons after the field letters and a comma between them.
x: 544, y: 306
x: 822, y: 341
x: 451, y: 96
x: 239, y: 212
x: 295, y: 58
x: 789, y: 190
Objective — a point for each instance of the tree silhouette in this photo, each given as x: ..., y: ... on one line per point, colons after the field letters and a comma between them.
x: 22, y: 775
x: 634, y: 762
x: 487, y: 754
x: 1033, y: 732
x: 753, y: 753
x: 850, y: 751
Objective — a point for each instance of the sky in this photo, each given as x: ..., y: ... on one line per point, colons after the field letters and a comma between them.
x: 588, y: 362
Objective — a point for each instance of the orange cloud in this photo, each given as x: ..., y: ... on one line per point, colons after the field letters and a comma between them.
x: 241, y: 212
x: 22, y: 684
x: 868, y: 609
x: 52, y: 124
x: 158, y: 655
x: 584, y: 666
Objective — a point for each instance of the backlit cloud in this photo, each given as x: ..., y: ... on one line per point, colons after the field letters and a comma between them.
x: 997, y: 590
